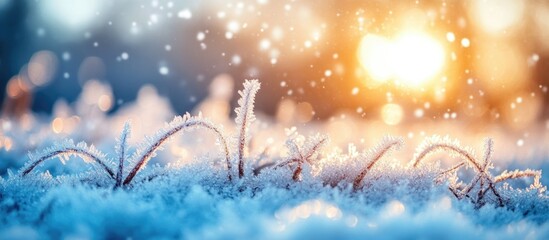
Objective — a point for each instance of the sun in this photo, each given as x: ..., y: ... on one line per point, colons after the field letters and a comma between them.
x: 411, y: 59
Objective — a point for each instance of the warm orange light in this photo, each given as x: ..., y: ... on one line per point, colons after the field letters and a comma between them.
x: 392, y: 114
x: 411, y: 59
x: 375, y: 54
x: 419, y: 58
x: 57, y: 125
x: 104, y: 103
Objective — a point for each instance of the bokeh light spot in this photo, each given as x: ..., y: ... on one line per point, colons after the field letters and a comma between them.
x: 411, y: 59
x: 392, y: 114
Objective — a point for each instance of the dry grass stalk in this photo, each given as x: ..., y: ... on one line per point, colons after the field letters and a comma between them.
x: 176, y: 126
x: 302, y: 156
x: 485, y: 181
x: 67, y: 149
x: 121, y: 149
x: 376, y: 154
x: 244, y: 118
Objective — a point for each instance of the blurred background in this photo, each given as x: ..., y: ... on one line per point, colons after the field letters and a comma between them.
x: 479, y: 62
x: 353, y: 70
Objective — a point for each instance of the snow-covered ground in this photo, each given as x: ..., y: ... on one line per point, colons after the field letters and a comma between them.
x: 344, y: 178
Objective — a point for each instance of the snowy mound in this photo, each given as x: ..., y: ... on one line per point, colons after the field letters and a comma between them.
x: 237, y: 182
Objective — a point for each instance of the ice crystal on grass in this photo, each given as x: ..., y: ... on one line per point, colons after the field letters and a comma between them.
x: 64, y: 151
x: 505, y: 175
x: 244, y: 118
x: 483, y: 180
x: 302, y: 155
x: 121, y: 151
x: 141, y: 156
x: 352, y: 168
x: 375, y: 155
x: 153, y: 144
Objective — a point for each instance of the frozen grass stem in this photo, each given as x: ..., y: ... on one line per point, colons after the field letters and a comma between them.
x: 244, y: 118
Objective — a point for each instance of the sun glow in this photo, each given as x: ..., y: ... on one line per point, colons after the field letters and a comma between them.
x: 411, y: 59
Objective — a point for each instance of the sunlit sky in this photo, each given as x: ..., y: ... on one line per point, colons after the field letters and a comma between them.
x: 398, y: 61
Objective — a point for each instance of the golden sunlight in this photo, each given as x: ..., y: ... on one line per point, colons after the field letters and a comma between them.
x: 411, y: 59
x: 392, y: 113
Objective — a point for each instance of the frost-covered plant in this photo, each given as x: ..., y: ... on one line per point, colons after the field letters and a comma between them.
x: 59, y: 206
x: 301, y: 154
x: 144, y: 154
x: 305, y: 154
x: 141, y: 156
x: 121, y: 151
x: 486, y: 182
x: 244, y: 117
x: 375, y: 154
x: 64, y: 151
x: 506, y: 175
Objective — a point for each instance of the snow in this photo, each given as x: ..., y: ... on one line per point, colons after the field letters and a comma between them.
x: 185, y: 14
x: 163, y: 70
x: 293, y: 186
